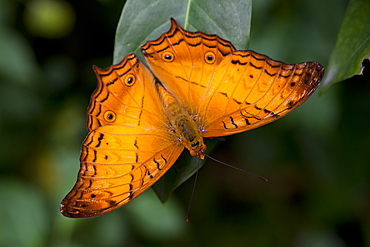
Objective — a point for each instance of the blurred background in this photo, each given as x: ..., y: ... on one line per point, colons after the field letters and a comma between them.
x: 316, y: 159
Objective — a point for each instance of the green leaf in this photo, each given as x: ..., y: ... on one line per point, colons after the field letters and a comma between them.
x: 352, y: 46
x: 142, y: 21
x: 182, y: 170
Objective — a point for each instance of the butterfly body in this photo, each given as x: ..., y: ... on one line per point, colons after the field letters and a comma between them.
x: 182, y: 124
x: 139, y: 127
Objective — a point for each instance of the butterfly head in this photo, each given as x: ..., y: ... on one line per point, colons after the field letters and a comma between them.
x: 197, y: 148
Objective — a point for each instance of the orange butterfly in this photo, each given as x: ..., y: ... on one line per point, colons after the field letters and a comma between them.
x: 139, y: 127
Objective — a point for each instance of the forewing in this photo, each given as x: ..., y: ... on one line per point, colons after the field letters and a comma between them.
x: 225, y: 90
x: 253, y: 90
x: 125, y: 95
x: 189, y: 75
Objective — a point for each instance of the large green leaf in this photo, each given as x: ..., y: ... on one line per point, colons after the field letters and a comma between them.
x: 181, y: 171
x: 143, y: 20
x: 352, y: 46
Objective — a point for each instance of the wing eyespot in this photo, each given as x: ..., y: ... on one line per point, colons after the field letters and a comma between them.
x: 168, y: 56
x: 129, y: 80
x: 110, y: 116
x: 210, y: 57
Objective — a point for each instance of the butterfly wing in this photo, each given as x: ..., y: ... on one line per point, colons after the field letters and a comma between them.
x: 129, y: 147
x: 228, y: 91
x: 188, y: 75
x: 256, y: 90
x: 117, y: 165
x: 125, y: 94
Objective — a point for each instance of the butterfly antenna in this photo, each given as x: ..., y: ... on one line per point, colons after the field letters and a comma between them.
x: 192, y: 192
x: 237, y: 168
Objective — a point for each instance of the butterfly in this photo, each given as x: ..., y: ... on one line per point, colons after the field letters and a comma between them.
x: 139, y: 126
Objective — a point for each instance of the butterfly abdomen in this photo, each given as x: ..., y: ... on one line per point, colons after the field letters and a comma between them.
x: 181, y: 124
x: 187, y: 131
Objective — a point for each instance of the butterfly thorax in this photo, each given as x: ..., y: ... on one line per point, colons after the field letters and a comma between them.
x: 182, y: 124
